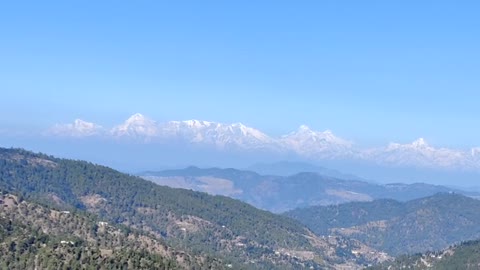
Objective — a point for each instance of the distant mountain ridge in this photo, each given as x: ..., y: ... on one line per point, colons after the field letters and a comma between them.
x: 283, y: 193
x: 304, y: 143
x: 287, y: 168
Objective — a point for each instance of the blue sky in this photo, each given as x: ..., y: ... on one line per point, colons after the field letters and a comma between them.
x: 371, y: 71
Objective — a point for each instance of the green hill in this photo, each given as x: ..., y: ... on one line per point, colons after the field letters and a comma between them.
x: 465, y: 256
x: 429, y: 223
x: 33, y: 236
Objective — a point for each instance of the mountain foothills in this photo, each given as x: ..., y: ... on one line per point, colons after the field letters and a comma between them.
x: 283, y: 193
x: 34, y: 236
x: 465, y: 256
x: 430, y: 223
x: 304, y: 143
x: 149, y: 219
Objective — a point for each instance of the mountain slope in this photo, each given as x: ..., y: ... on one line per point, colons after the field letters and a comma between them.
x: 465, y: 256
x: 202, y: 224
x: 424, y: 224
x: 34, y: 236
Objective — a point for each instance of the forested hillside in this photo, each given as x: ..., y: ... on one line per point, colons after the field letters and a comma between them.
x: 37, y: 237
x: 429, y: 223
x: 198, y: 223
x: 465, y: 256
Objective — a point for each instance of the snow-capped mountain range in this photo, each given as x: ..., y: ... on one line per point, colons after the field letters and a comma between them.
x: 315, y: 144
x: 305, y: 142
x: 78, y: 128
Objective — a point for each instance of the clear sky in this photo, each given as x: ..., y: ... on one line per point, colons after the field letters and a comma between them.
x: 371, y: 71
